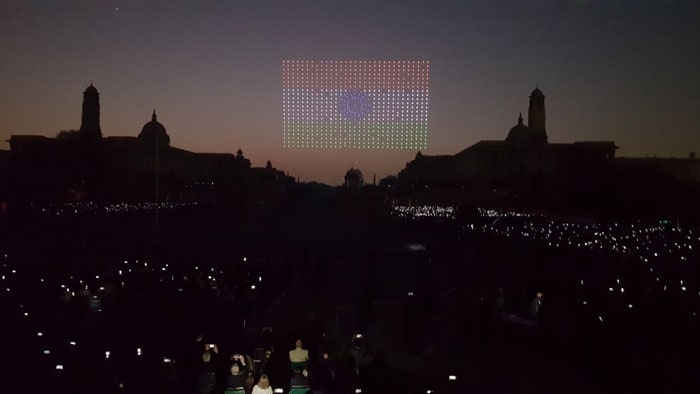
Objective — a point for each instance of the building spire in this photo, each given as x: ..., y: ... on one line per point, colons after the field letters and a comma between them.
x: 520, y: 119
x: 153, y: 117
x: 536, y: 118
x: 90, y: 120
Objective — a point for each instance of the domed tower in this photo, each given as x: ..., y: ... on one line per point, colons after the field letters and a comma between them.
x: 90, y: 123
x: 519, y: 133
x: 354, y: 179
x: 153, y: 133
x: 536, y: 116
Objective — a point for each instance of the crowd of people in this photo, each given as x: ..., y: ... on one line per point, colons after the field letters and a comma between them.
x: 163, y: 325
x: 90, y: 208
x: 129, y: 327
x: 243, y: 373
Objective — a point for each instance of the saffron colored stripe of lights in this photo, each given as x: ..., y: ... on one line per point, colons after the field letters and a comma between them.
x: 355, y: 104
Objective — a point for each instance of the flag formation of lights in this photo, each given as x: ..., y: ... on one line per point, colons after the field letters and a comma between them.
x: 355, y: 104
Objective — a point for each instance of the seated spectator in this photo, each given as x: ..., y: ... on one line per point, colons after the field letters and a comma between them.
x: 299, y: 356
x: 263, y: 386
x: 300, y: 379
x: 243, y: 362
x: 237, y: 378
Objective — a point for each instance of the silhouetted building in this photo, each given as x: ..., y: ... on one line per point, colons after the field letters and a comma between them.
x: 525, y: 170
x: 80, y: 165
x: 4, y: 175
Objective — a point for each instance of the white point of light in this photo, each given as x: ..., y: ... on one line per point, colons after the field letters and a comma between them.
x: 107, y: 354
x: 452, y: 377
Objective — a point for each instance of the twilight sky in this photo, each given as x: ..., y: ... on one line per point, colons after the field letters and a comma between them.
x: 626, y: 71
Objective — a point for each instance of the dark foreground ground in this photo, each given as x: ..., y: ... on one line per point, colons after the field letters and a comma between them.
x: 431, y: 298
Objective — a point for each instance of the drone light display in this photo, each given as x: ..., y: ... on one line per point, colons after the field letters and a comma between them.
x: 355, y: 104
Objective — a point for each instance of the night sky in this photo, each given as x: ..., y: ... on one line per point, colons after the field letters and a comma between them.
x: 627, y: 71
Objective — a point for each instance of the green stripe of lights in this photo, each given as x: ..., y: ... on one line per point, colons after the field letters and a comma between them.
x: 355, y: 135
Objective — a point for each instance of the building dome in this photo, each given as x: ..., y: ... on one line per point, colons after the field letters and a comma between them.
x: 91, y: 89
x: 519, y: 132
x: 153, y: 133
x: 354, y: 178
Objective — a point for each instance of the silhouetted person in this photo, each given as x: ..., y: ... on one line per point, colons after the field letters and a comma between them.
x: 168, y: 381
x: 536, y: 306
x: 377, y: 373
x: 323, y: 374
x: 207, y: 375
x: 501, y: 300
x: 267, y: 339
